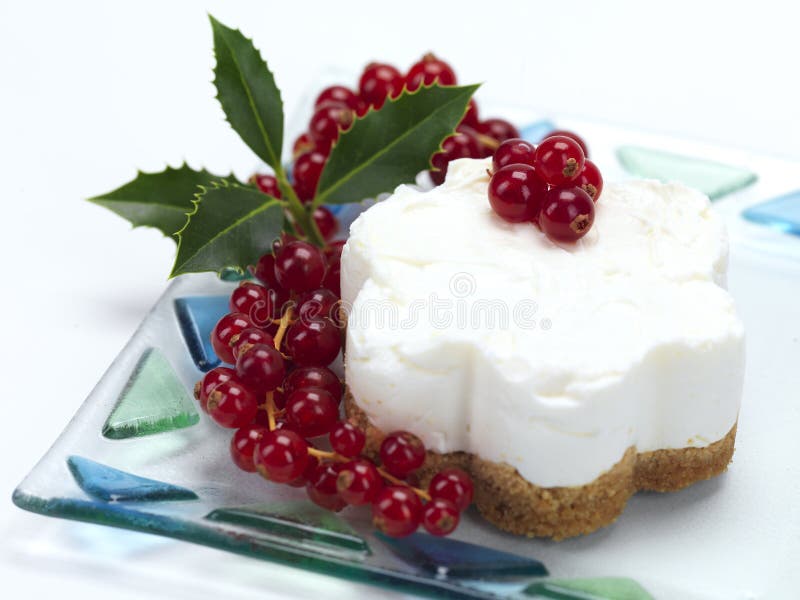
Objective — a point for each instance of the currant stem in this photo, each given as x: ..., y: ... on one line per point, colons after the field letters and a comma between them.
x: 487, y: 141
x: 300, y: 214
x: 286, y: 320
x: 271, y: 410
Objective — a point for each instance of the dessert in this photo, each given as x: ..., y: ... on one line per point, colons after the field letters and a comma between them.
x: 562, y: 376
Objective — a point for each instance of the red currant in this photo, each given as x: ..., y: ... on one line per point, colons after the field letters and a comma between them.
x: 313, y: 343
x: 319, y: 304
x: 311, y: 466
x: 249, y: 338
x: 402, y: 452
x: 264, y: 271
x: 567, y: 214
x: 453, y: 485
x: 232, y: 405
x: 333, y: 275
x: 429, y: 70
x: 590, y: 180
x: 210, y: 381
x: 338, y: 94
x: 328, y: 121
x: 358, y: 482
x: 460, y: 145
x: 311, y: 411
x: 267, y: 184
x: 321, y: 487
x: 299, y: 266
x: 302, y: 144
x: 396, y: 511
x: 281, y: 456
x: 261, y: 368
x: 558, y: 159
x: 575, y: 137
x: 316, y: 377
x: 513, y: 152
x: 516, y: 193
x: 347, y: 439
x: 252, y: 300
x: 440, y: 517
x: 471, y: 116
x: 227, y: 327
x: 307, y: 170
x: 378, y: 82
x: 326, y: 223
x: 498, y: 129
x: 243, y: 446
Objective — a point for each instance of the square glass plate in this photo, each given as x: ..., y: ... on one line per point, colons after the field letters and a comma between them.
x: 139, y: 456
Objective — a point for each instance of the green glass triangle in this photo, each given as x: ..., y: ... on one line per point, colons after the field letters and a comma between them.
x: 712, y: 178
x: 153, y: 401
x: 601, y: 588
x: 300, y: 522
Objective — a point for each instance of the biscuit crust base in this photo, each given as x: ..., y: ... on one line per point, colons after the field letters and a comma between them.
x: 515, y: 505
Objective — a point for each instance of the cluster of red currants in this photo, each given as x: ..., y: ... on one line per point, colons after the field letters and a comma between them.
x: 337, y: 107
x: 282, y: 336
x: 553, y: 185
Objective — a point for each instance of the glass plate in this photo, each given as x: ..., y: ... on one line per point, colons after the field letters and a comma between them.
x: 138, y: 456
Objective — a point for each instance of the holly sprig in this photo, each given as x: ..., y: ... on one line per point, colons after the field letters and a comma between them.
x: 220, y: 223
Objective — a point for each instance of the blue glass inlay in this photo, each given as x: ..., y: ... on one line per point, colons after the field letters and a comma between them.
x: 781, y: 213
x: 112, y: 485
x: 536, y: 132
x: 446, y: 556
x: 197, y: 316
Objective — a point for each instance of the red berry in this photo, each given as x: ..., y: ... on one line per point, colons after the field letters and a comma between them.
x: 513, y: 152
x: 574, y: 136
x: 590, y: 180
x: 267, y: 184
x: 558, y: 159
x: 402, y: 452
x: 567, y: 214
x: 302, y: 144
x: 429, y: 70
x: 453, y: 485
x: 307, y: 170
x: 333, y: 275
x: 319, y: 304
x: 232, y: 405
x: 460, y: 145
x: 210, y: 381
x: 338, y: 94
x: 281, y: 456
x: 498, y: 129
x: 313, y: 343
x: 264, y: 271
x: 316, y: 377
x: 261, y: 368
x: 516, y: 193
x: 311, y: 411
x: 326, y: 223
x: 299, y: 266
x: 328, y: 121
x: 347, y: 439
x: 396, y: 511
x: 440, y: 517
x: 227, y: 327
x: 471, y: 116
x: 378, y: 82
x: 243, y: 446
x: 358, y: 482
x: 248, y: 338
x: 321, y: 487
x: 311, y: 466
x: 252, y: 300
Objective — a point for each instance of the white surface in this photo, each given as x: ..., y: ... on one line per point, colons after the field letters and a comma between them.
x: 446, y: 300
x: 91, y: 91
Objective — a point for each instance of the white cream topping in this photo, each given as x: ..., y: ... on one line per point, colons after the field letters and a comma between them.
x: 485, y: 337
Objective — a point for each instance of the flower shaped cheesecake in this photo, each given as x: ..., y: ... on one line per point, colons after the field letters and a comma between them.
x: 563, y: 377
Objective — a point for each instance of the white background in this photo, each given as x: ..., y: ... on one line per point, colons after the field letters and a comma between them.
x: 91, y: 91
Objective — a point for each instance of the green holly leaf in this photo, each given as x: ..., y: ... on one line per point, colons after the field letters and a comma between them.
x: 390, y: 146
x: 247, y: 92
x: 231, y: 226
x: 159, y: 200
